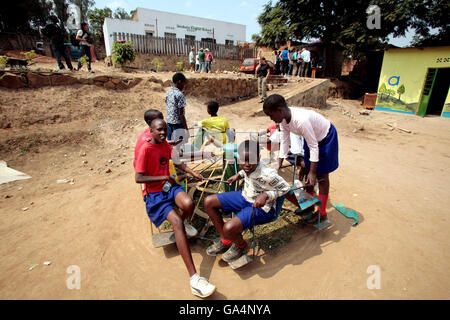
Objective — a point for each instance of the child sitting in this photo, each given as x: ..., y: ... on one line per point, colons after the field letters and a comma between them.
x: 214, y: 129
x: 262, y: 187
x: 152, y: 168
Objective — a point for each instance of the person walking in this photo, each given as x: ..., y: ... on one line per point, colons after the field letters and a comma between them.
x: 84, y: 37
x: 56, y: 35
x: 262, y: 72
x: 284, y: 62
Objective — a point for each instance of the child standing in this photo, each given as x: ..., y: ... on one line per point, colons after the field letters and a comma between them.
x: 152, y: 169
x: 175, y: 106
x: 262, y: 187
x: 321, y: 147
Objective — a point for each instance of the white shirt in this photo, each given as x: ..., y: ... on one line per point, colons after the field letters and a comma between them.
x: 306, y: 56
x: 264, y: 179
x: 312, y: 126
x: 84, y: 37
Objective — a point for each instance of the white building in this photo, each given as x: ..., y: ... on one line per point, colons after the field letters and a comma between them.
x: 164, y: 24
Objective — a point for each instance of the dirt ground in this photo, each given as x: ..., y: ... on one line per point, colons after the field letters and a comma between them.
x: 398, y: 183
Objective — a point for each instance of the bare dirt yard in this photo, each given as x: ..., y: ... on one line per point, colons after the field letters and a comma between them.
x: 397, y: 181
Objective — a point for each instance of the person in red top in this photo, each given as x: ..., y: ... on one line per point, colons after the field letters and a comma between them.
x: 152, y: 169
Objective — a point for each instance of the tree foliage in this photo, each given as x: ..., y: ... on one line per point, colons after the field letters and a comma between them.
x: 60, y: 8
x: 96, y: 18
x: 123, y: 53
x: 344, y: 24
x: 120, y: 13
x: 24, y: 16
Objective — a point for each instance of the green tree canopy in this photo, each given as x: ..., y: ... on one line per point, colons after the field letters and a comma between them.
x: 24, y: 16
x: 120, y: 13
x: 97, y: 18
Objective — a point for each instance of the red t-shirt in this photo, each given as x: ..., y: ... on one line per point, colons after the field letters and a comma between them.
x: 153, y: 160
x: 145, y: 136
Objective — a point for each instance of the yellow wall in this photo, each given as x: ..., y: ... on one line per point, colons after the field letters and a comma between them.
x: 408, y: 67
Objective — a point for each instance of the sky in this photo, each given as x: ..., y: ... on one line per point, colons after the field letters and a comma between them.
x: 236, y: 11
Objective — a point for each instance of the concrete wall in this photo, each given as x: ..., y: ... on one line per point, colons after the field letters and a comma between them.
x: 310, y: 93
x: 159, y: 22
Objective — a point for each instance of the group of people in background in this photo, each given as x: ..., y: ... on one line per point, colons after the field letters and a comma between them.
x: 201, y: 61
x: 57, y: 34
x: 286, y: 60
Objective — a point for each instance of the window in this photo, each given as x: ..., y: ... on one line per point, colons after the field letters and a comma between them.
x: 170, y: 35
x: 209, y: 40
x: 149, y: 33
x: 229, y: 42
x: 190, y: 38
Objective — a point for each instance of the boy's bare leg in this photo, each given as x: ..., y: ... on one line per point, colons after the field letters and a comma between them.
x: 232, y: 230
x: 182, y: 243
x: 324, y: 183
x: 185, y: 204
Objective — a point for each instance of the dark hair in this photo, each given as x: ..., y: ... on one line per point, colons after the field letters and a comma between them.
x: 53, y: 19
x: 213, y: 107
x: 157, y: 120
x: 178, y: 77
x: 151, y: 115
x: 249, y: 146
x: 274, y: 101
x: 83, y: 24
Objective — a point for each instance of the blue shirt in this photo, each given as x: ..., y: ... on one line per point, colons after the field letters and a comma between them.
x: 285, y: 55
x: 174, y: 100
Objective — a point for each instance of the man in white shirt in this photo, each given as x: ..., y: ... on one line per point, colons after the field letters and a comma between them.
x: 85, y: 40
x: 306, y: 63
x: 192, y: 59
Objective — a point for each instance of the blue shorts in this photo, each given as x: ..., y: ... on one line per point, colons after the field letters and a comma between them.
x: 328, y: 153
x: 159, y: 204
x: 233, y: 201
x: 171, y: 128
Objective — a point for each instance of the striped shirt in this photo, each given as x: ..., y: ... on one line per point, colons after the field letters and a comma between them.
x: 264, y: 180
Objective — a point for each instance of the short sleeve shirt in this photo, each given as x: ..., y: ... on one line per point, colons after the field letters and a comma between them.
x: 217, y: 126
x: 153, y: 160
x: 174, y: 100
x: 84, y: 37
x: 143, y: 138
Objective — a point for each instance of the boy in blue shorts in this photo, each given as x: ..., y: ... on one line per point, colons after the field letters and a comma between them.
x: 152, y: 169
x: 263, y: 186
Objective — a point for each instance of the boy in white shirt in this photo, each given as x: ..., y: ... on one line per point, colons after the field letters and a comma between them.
x: 263, y: 186
x: 321, y: 147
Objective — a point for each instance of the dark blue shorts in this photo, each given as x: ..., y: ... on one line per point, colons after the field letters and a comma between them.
x: 159, y: 204
x: 328, y: 153
x: 171, y: 128
x: 233, y: 201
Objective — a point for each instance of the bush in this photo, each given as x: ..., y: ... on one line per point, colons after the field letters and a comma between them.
x: 3, y: 61
x: 29, y: 56
x: 157, y: 64
x: 123, y: 53
x: 180, y: 66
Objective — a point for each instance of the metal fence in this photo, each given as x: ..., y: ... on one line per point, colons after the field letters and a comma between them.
x: 174, y: 46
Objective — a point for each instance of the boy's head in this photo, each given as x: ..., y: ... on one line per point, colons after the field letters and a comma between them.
x: 84, y: 26
x: 179, y: 80
x: 151, y: 115
x: 248, y: 152
x: 275, y: 107
x: 212, y: 108
x: 158, y: 129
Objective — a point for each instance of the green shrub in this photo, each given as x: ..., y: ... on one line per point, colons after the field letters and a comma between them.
x: 84, y: 60
x: 157, y: 64
x: 3, y: 61
x: 180, y: 66
x: 123, y: 53
x: 29, y: 56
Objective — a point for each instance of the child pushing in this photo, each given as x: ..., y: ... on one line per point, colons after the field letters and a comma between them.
x: 321, y: 147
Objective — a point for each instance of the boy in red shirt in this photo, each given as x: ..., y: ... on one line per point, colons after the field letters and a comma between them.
x: 152, y: 169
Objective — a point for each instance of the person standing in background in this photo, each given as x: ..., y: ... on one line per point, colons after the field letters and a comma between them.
x: 192, y: 59
x: 85, y: 40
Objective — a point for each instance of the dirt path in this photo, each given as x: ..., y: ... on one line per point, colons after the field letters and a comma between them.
x: 397, y: 182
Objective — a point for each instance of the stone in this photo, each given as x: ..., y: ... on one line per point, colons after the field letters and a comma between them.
x: 109, y: 85
x: 36, y: 80
x: 115, y: 80
x: 12, y: 81
x: 108, y: 170
x: 100, y: 78
x: 62, y: 80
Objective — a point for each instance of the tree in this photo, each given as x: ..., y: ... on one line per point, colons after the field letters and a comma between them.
x: 400, y: 91
x: 24, y: 16
x: 274, y: 31
x: 84, y: 6
x: 97, y: 18
x: 431, y: 14
x: 60, y: 8
x: 120, y: 13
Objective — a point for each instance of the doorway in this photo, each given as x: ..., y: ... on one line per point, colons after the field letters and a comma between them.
x: 435, y: 91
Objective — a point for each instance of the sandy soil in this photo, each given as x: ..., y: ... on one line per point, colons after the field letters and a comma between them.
x: 397, y: 182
